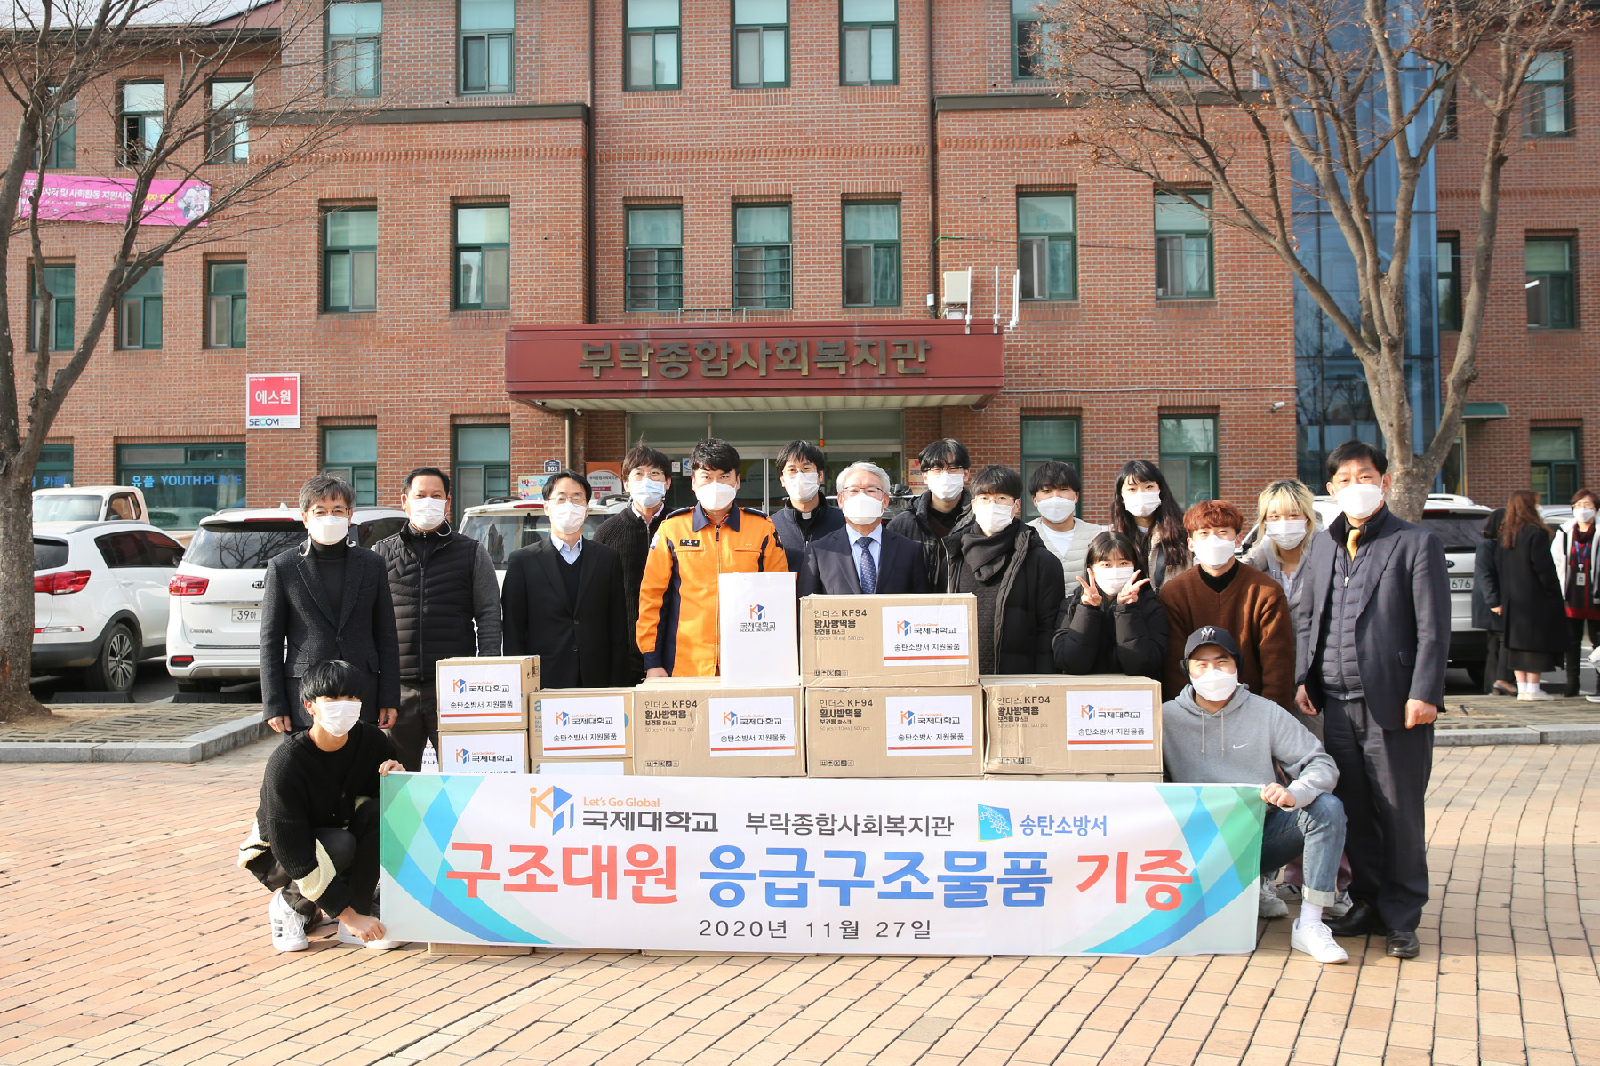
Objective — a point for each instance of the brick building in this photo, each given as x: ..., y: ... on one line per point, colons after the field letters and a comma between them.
x: 734, y: 175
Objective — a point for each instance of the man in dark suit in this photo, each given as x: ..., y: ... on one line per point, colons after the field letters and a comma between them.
x: 564, y: 599
x: 328, y: 600
x: 1374, y: 639
x: 806, y: 515
x: 864, y: 556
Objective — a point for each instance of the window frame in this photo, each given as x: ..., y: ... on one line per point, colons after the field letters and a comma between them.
x: 456, y: 303
x: 629, y: 31
x: 330, y: 39
x: 1532, y: 111
x: 238, y: 306
x: 235, y: 118
x: 144, y: 301
x: 628, y: 272
x: 225, y: 461
x: 1017, y: 22
x: 488, y: 35
x: 64, y: 306
x: 1448, y: 300
x: 1071, y: 240
x: 1211, y: 248
x: 766, y: 301
x: 874, y: 247
x: 328, y: 307
x: 57, y: 472
x: 1164, y: 456
x: 869, y: 26
x: 1029, y: 459
x: 127, y: 154
x: 65, y: 130
x: 760, y: 29
x: 1568, y: 278
x: 1550, y: 494
x: 459, y: 496
x: 353, y: 471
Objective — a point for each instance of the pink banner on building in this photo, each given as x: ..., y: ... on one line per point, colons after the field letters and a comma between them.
x: 86, y: 198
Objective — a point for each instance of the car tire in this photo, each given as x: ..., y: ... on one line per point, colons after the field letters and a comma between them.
x: 200, y: 684
x: 117, y: 665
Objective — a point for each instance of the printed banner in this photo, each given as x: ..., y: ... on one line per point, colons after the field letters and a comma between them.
x: 930, y: 636
x: 826, y: 866
x: 87, y: 198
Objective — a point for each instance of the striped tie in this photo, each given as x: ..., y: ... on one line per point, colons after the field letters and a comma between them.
x: 869, y: 569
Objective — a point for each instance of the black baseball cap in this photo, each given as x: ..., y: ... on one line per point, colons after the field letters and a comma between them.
x: 1211, y: 635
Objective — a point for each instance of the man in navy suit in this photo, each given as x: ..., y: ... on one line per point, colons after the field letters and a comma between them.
x: 863, y: 557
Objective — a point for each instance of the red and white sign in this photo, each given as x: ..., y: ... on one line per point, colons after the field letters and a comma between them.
x: 272, y: 401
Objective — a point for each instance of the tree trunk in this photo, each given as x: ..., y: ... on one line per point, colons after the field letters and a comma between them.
x: 16, y: 599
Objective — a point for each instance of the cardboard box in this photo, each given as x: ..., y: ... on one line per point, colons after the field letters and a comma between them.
x: 895, y: 732
x: 581, y: 723
x: 476, y: 752
x: 486, y: 694
x: 756, y: 627
x: 714, y: 730
x: 585, y: 767
x: 1068, y: 724
x: 1114, y: 778
x: 883, y: 641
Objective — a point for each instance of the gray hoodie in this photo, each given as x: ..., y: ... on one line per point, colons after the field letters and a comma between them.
x: 1240, y: 743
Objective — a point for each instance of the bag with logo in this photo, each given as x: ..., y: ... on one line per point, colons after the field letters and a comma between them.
x: 757, y: 623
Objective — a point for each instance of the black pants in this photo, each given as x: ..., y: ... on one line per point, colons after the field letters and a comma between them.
x: 354, y: 854
x: 1494, y: 663
x: 1574, y: 656
x: 300, y: 720
x: 1383, y: 776
x: 417, y: 723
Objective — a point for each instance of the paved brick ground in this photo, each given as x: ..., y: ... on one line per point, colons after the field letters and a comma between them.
x: 128, y: 937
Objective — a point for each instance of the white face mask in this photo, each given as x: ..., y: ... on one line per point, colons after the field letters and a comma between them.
x: 1112, y: 579
x: 1584, y: 515
x: 1056, y: 508
x: 328, y: 529
x: 647, y: 493
x: 427, y: 513
x: 946, y: 484
x: 338, y: 717
x: 1359, y: 501
x: 1215, y: 685
x: 992, y: 518
x: 1141, y: 504
x: 862, y: 509
x: 715, y: 495
x: 1287, y: 533
x: 802, y: 487
x: 1212, y: 551
x: 567, y: 518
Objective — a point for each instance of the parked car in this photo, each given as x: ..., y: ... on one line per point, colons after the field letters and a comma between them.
x: 214, y: 633
x: 88, y: 503
x: 504, y: 525
x: 100, y: 602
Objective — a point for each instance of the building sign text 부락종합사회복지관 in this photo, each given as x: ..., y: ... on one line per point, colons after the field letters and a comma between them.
x: 722, y: 359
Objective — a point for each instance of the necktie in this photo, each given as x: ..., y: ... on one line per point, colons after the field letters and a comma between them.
x: 868, y: 568
x: 1350, y: 540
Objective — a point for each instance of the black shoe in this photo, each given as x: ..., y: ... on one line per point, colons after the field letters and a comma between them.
x: 1361, y: 919
x: 1403, y: 944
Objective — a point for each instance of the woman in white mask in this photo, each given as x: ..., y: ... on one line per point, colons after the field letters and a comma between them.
x: 1111, y: 622
x: 1144, y: 510
x: 1286, y: 520
x: 1055, y: 488
x: 1017, y: 581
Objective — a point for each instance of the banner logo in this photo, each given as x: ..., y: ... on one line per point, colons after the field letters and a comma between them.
x: 459, y: 685
x: 461, y: 756
x: 756, y: 611
x: 1086, y: 711
x: 994, y: 823
x: 903, y: 627
x: 555, y: 804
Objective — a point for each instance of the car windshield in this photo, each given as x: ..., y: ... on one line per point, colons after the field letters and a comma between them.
x: 49, y: 554
x: 503, y: 534
x: 244, y: 545
x: 1460, y: 532
x: 369, y: 533
x: 66, y: 508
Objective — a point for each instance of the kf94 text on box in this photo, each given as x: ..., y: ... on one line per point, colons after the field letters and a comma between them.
x: 855, y: 641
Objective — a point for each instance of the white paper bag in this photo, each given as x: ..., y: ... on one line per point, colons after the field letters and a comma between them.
x: 757, y: 619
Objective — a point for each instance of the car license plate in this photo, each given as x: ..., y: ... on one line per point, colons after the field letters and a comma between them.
x: 253, y: 614
x: 1461, y: 584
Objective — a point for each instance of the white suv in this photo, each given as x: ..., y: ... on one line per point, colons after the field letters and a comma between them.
x: 100, y: 599
x: 504, y: 525
x: 214, y: 635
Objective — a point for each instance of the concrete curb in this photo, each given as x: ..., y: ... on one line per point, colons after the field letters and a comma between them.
x: 206, y: 744
x: 1467, y: 738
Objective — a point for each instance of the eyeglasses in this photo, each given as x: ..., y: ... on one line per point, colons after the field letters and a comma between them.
x: 871, y: 490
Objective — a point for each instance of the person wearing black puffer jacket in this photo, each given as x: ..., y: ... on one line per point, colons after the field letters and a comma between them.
x: 1113, y: 622
x: 1018, y: 582
x: 446, y: 604
x: 946, y: 507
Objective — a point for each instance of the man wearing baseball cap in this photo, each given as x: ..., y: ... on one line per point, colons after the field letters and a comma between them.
x: 1218, y: 731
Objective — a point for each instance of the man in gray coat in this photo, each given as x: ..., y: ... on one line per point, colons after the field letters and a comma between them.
x: 1374, y: 638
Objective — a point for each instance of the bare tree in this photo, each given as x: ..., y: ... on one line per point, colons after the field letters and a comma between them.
x: 1276, y: 103
x: 58, y: 60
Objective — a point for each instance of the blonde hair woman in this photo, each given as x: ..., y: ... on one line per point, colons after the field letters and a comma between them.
x: 1286, y: 520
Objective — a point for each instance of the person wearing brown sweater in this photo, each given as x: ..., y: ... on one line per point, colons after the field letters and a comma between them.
x: 1223, y: 592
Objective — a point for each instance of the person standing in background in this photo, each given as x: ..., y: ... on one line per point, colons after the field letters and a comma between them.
x: 1573, y: 549
x: 1286, y: 520
x: 646, y: 473
x: 1530, y: 595
x: 944, y: 509
x: 806, y: 515
x: 1055, y: 488
x: 1144, y: 510
x: 1497, y: 676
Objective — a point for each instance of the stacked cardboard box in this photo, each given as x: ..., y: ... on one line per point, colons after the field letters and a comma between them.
x: 700, y: 727
x: 1095, y: 727
x: 483, y: 713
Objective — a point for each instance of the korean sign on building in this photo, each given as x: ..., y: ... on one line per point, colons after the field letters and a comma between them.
x: 830, y: 866
x: 272, y: 401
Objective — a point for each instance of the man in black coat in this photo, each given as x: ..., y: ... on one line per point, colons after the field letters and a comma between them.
x: 1374, y: 638
x: 863, y: 557
x: 646, y: 473
x: 944, y: 509
x: 807, y: 515
x: 446, y: 605
x: 564, y: 599
x: 328, y: 600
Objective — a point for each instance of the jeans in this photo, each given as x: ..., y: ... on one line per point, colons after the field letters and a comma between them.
x: 354, y: 854
x: 416, y: 724
x: 1315, y: 833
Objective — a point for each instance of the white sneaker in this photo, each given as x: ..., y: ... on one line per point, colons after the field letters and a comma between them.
x: 288, y: 927
x: 1271, y: 906
x: 1316, y: 940
x: 1339, y: 907
x: 1537, y: 696
x: 1593, y: 699
x: 347, y: 937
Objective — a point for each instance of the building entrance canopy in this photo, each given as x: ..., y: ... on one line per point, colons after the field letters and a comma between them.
x: 755, y: 366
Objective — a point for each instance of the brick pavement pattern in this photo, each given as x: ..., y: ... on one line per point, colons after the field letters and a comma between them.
x: 128, y: 937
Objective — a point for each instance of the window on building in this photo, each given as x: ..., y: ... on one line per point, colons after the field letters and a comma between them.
x: 62, y: 284
x: 1450, y: 128
x: 355, y: 48
x: 652, y: 38
x: 487, y: 51
x: 762, y: 263
x: 1047, y: 438
x: 350, y: 259
x: 1189, y: 457
x: 1555, y: 464
x: 1549, y: 283
x: 760, y: 44
x: 351, y: 452
x: 1449, y: 282
x: 1047, y: 246
x: 228, y: 131
x: 54, y: 468
x: 655, y: 258
x: 1183, y: 246
x: 1178, y: 59
x: 482, y: 465
x: 1026, y: 37
x: 139, y: 312
x: 143, y: 105
x: 483, y: 257
x: 868, y: 42
x: 183, y: 483
x: 225, y: 305
x: 61, y: 150
x: 1547, y: 95
x: 871, y: 255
